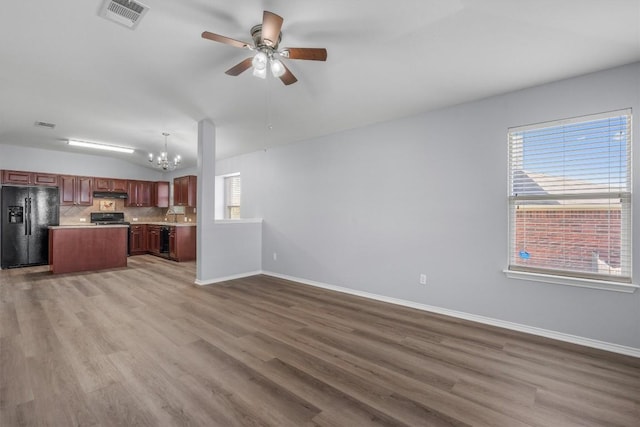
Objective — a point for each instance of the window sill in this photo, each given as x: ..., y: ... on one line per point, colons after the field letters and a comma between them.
x: 572, y: 281
x: 239, y: 221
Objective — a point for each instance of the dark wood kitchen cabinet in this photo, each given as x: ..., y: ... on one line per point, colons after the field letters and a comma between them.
x: 75, y: 190
x: 109, y: 184
x: 182, y: 243
x: 147, y: 238
x: 160, y: 194
x: 153, y: 239
x: 74, y: 249
x: 139, y: 194
x: 172, y: 243
x: 184, y: 191
x: 138, y: 239
x: 40, y: 178
x: 29, y: 178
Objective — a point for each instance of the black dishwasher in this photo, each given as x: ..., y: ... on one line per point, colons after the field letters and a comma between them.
x: 164, y: 241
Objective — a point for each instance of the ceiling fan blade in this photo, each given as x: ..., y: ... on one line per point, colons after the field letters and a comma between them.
x: 314, y: 54
x: 271, y: 25
x: 239, y: 68
x: 223, y: 39
x: 288, y: 78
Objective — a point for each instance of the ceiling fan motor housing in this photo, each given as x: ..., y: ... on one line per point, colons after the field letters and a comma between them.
x: 256, y: 35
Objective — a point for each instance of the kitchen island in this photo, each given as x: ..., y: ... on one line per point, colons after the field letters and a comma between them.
x: 87, y: 247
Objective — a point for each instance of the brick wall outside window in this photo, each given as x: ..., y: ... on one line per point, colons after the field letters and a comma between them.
x: 569, y: 238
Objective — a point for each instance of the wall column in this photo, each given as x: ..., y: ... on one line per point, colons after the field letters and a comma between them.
x: 206, y: 171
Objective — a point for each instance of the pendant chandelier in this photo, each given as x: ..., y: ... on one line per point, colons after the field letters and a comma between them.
x: 162, y: 161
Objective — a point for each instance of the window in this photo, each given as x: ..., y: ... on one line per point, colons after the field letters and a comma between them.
x: 570, y: 198
x: 232, y: 197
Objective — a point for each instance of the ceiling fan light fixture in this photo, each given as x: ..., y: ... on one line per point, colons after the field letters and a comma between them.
x: 259, y: 61
x: 260, y: 73
x: 277, y: 67
x: 266, y: 41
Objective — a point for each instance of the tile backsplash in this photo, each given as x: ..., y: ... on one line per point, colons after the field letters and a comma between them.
x: 70, y: 215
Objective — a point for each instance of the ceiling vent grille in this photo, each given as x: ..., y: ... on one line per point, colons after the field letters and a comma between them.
x: 45, y: 125
x: 124, y: 12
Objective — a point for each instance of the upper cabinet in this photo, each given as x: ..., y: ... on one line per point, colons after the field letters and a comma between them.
x: 78, y: 190
x: 184, y: 191
x: 144, y: 194
x: 160, y: 194
x: 139, y: 194
x: 29, y: 178
x: 75, y: 190
x: 109, y: 184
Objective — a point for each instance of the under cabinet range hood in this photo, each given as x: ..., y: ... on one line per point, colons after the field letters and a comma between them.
x: 109, y: 195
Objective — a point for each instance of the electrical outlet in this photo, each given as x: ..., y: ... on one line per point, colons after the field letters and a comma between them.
x: 423, y: 279
x: 83, y: 219
x: 275, y: 256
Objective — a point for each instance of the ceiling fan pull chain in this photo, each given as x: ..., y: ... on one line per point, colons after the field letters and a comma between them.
x: 268, y: 106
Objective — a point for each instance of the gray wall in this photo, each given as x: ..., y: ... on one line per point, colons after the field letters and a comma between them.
x: 372, y: 208
x: 31, y: 159
x: 229, y: 250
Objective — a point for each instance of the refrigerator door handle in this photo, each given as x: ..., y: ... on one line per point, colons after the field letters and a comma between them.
x: 26, y: 216
x: 27, y: 223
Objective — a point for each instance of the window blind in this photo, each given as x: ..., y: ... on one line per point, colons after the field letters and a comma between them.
x: 232, y: 196
x: 570, y: 197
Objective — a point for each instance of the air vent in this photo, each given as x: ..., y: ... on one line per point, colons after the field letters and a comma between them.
x: 45, y: 125
x: 124, y: 12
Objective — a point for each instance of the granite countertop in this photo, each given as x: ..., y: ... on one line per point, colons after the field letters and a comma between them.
x: 85, y: 225
x: 169, y: 224
x: 89, y: 224
x: 164, y: 223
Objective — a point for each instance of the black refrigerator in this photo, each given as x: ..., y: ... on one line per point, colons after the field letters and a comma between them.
x: 26, y: 214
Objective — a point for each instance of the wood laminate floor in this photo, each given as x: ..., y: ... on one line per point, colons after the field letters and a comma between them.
x: 144, y: 346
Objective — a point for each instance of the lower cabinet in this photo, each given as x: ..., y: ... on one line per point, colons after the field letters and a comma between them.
x: 138, y: 239
x: 182, y: 243
x: 153, y: 239
x: 173, y: 253
x: 73, y: 249
x: 148, y: 239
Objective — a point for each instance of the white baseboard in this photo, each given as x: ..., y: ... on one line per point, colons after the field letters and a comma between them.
x: 224, y: 279
x: 587, y: 342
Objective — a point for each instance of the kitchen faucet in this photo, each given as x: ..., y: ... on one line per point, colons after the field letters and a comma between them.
x: 174, y: 213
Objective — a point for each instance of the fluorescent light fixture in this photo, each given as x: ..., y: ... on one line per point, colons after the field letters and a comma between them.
x: 100, y: 146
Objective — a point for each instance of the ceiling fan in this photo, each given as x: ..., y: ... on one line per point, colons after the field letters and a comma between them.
x: 266, y: 38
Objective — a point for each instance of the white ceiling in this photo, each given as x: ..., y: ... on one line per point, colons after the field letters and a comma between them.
x: 98, y: 81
